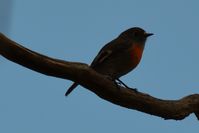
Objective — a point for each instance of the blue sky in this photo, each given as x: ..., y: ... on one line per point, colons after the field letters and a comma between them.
x: 75, y: 31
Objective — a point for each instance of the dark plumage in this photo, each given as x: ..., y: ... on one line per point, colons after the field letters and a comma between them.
x: 119, y: 56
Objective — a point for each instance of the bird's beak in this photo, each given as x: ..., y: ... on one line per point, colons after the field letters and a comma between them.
x: 148, y: 34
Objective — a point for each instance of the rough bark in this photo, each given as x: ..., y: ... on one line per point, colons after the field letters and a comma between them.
x: 99, y: 84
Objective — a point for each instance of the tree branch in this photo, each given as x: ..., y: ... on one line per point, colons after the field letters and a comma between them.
x: 99, y: 84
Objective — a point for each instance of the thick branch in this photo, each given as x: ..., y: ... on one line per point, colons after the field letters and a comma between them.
x: 97, y: 83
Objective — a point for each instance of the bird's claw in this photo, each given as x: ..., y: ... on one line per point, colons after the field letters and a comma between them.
x: 134, y: 89
x: 119, y: 83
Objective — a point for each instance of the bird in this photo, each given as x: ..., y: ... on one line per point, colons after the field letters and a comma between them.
x: 119, y: 56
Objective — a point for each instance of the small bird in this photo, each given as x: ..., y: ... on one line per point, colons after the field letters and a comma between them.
x: 119, y: 56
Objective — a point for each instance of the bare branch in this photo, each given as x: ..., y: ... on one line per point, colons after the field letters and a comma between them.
x: 98, y: 84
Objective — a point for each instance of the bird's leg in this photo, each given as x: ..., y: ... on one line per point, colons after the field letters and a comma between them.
x: 117, y: 84
x: 122, y: 83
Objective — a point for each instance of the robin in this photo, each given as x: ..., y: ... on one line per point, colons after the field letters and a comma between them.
x: 119, y: 56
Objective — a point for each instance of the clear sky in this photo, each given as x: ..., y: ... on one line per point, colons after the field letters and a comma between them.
x: 75, y: 31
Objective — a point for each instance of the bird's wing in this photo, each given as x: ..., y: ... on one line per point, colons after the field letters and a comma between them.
x: 108, y: 50
x: 103, y: 55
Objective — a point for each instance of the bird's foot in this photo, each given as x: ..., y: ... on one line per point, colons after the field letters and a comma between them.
x: 122, y: 83
x: 118, y: 83
x: 134, y: 89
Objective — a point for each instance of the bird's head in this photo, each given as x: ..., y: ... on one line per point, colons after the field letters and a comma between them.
x: 136, y: 34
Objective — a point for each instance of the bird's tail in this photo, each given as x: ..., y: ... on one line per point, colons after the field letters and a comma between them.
x: 71, y: 88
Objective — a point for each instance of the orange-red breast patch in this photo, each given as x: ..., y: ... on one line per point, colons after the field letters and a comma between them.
x: 136, y: 53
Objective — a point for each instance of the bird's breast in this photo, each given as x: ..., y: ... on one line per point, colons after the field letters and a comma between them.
x: 136, y: 53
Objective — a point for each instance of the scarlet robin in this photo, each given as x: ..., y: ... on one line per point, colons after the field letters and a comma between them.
x: 119, y: 56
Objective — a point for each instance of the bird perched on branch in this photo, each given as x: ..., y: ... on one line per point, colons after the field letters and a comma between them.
x: 119, y: 56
